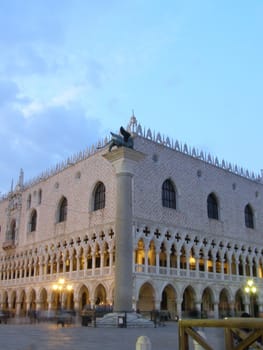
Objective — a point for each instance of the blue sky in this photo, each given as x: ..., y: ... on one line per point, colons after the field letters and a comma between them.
x: 71, y: 71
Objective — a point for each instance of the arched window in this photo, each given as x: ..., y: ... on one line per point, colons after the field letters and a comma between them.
x: 63, y: 210
x: 99, y: 196
x: 33, y: 221
x: 249, y: 217
x: 39, y: 196
x: 29, y: 201
x: 212, y: 206
x: 12, y: 234
x: 168, y: 194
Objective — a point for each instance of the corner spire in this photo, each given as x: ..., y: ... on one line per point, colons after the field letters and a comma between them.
x: 132, y: 126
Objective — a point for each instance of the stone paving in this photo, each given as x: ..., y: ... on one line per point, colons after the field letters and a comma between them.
x: 48, y: 336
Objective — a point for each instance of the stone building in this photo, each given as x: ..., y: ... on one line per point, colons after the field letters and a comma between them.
x: 160, y: 226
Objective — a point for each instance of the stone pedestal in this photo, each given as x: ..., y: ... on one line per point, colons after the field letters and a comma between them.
x: 124, y: 160
x: 124, y: 320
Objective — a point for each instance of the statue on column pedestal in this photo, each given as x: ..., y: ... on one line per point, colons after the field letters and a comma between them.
x: 123, y: 140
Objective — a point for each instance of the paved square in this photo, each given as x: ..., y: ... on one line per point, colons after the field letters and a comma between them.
x: 47, y: 336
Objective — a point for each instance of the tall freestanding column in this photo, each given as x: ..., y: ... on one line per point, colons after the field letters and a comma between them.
x: 124, y: 161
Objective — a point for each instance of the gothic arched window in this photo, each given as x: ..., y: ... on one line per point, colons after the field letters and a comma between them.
x: 63, y: 210
x: 39, y: 196
x: 99, y: 196
x: 12, y: 234
x: 28, y: 205
x: 249, y: 217
x: 33, y: 221
x: 168, y: 194
x: 212, y: 206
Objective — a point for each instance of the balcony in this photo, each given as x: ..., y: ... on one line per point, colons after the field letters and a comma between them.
x: 9, y: 244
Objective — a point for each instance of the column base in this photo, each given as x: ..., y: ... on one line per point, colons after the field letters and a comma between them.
x: 123, y: 320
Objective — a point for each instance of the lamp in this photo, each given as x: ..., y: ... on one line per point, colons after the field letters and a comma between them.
x: 60, y: 287
x: 251, y: 290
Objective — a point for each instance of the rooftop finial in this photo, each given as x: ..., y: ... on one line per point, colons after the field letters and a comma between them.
x: 133, y: 123
x: 21, y: 178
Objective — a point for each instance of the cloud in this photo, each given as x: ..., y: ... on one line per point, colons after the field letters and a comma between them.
x: 67, y: 96
x: 30, y: 108
x: 51, y: 134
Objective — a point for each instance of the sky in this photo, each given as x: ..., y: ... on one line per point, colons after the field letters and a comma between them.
x: 71, y: 71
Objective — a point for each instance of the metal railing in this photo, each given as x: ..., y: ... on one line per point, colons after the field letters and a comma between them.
x: 239, y: 333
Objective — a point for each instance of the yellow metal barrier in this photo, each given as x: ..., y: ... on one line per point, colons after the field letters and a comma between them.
x: 240, y: 333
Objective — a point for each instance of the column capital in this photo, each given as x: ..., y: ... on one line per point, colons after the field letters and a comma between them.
x: 123, y: 159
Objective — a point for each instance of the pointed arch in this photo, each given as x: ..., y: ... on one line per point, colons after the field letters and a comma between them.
x: 106, y: 254
x: 168, y: 300
x: 188, y: 304
x: 207, y: 302
x: 97, y: 256
x: 140, y: 252
x: 81, y: 258
x: 249, y: 216
x: 152, y: 253
x: 168, y: 194
x: 163, y: 255
x: 173, y: 256
x: 100, y: 295
x: 12, y: 231
x: 99, y: 196
x: 212, y: 206
x: 224, y: 303
x: 84, y: 298
x: 146, y: 297
x: 89, y: 258
x: 63, y: 209
x: 239, y: 303
x: 33, y: 221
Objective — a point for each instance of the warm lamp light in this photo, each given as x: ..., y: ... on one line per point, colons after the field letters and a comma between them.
x: 192, y: 260
x: 247, y: 289
x: 250, y: 283
x: 253, y: 289
x: 250, y: 289
x: 60, y: 286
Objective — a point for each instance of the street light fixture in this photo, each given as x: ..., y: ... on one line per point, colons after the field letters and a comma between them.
x: 60, y: 287
x: 251, y: 290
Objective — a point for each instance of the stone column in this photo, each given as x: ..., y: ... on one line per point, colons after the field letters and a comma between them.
x: 216, y: 309
x: 124, y: 161
x: 198, y: 306
x: 38, y: 305
x: 222, y: 268
x: 146, y: 261
x: 158, y: 260
x: 93, y: 262
x: 179, y: 307
x: 76, y: 306
x: 18, y: 308
x: 111, y: 260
